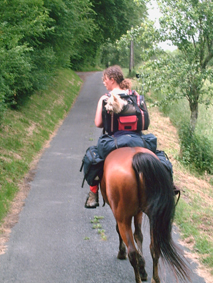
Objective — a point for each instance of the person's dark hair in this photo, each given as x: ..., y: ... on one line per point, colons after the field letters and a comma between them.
x: 116, y: 73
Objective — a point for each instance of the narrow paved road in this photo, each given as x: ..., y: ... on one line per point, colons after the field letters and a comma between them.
x: 54, y: 240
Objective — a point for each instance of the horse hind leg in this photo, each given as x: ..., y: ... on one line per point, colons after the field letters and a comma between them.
x: 134, y: 257
x: 155, y: 258
x: 122, y: 248
x: 138, y: 236
x: 135, y: 262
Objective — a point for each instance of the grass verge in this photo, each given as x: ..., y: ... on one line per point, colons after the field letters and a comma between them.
x: 24, y: 131
x: 194, y: 217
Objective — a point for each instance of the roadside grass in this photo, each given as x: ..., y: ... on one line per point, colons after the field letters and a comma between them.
x: 23, y: 132
x: 194, y: 212
x: 194, y: 216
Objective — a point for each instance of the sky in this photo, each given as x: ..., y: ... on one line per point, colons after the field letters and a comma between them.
x: 154, y: 15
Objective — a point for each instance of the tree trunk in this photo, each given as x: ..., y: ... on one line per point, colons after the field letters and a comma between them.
x: 194, y: 113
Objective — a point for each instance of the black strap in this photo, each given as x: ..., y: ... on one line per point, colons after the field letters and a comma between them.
x: 177, y: 192
x: 83, y: 181
x: 82, y: 165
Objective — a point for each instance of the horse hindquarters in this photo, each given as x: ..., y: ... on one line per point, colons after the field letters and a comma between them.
x: 160, y: 208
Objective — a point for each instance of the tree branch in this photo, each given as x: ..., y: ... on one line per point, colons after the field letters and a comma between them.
x: 208, y: 58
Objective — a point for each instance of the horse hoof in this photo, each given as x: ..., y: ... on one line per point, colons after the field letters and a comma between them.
x: 155, y: 281
x: 122, y: 255
x: 143, y: 275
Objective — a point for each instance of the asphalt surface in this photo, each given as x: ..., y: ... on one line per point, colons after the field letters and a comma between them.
x: 54, y: 240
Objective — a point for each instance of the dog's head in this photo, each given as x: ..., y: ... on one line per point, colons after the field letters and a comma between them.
x: 115, y: 103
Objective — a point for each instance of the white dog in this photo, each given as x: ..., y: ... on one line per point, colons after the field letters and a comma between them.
x: 115, y: 103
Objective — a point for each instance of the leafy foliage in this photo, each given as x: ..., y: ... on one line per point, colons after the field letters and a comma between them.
x: 185, y: 73
x: 196, y: 150
x: 118, y: 52
x: 21, y: 23
x: 189, y: 28
x: 113, y: 19
x: 72, y: 24
x: 188, y: 25
x: 37, y: 37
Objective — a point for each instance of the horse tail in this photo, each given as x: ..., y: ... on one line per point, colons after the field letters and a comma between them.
x: 160, y: 208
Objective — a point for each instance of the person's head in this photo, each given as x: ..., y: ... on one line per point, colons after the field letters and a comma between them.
x: 113, y: 77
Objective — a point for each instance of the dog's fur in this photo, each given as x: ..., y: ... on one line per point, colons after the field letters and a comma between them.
x: 115, y: 103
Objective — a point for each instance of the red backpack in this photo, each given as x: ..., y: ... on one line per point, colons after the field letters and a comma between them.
x: 134, y: 116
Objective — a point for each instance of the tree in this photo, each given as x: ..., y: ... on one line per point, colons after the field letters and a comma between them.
x: 186, y: 72
x: 73, y: 24
x: 113, y: 19
x: 36, y: 38
x: 22, y: 24
x: 144, y: 37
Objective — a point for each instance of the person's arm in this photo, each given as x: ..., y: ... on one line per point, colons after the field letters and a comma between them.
x: 98, y: 115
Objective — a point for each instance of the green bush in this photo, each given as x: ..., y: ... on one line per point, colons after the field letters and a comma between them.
x: 196, y: 150
x: 132, y: 74
x: 36, y: 38
x: 2, y: 106
x: 15, y: 73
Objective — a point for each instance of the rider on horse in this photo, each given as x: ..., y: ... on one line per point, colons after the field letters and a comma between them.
x: 116, y: 84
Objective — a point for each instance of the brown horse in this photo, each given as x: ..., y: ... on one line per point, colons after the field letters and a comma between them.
x: 135, y: 181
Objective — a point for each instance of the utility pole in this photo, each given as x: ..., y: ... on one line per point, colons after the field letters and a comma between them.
x: 131, y: 60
